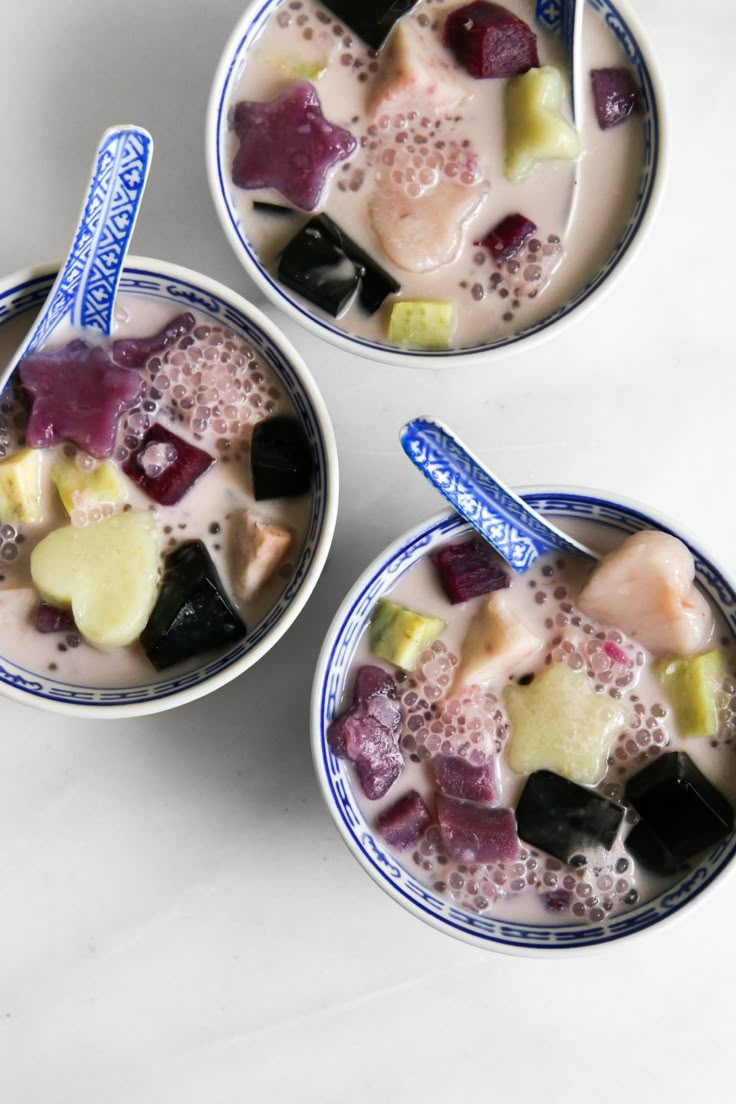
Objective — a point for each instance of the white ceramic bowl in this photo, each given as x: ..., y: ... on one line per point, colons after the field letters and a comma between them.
x: 150, y: 279
x: 621, y: 22
x: 560, y: 504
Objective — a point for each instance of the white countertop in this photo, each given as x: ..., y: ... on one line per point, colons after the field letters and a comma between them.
x: 179, y: 920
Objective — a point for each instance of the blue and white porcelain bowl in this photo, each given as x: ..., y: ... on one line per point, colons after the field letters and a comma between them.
x: 183, y: 289
x: 620, y: 21
x: 562, y: 506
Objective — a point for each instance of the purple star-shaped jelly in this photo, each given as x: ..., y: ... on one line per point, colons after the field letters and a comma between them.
x: 77, y: 394
x: 288, y: 144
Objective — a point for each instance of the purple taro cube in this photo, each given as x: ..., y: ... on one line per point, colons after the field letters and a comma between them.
x: 475, y: 833
x: 557, y: 900
x: 456, y: 777
x: 507, y: 237
x: 51, y: 619
x: 288, y: 144
x: 77, y: 394
x: 166, y: 466
x: 405, y: 822
x: 490, y: 41
x: 133, y: 352
x: 467, y: 570
x: 368, y: 733
x: 616, y: 95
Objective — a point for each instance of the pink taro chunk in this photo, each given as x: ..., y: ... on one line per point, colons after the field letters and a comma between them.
x: 490, y: 41
x: 77, y: 394
x: 475, y: 833
x: 404, y: 823
x: 368, y: 733
x: 456, y: 777
x: 288, y: 144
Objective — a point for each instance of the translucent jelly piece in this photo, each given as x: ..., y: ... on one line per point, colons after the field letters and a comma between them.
x: 415, y: 76
x: 261, y: 546
x: 133, y: 352
x: 400, y: 634
x: 20, y: 487
x: 645, y: 588
x: 565, y: 819
x: 475, y: 833
x: 421, y: 325
x: 315, y: 265
x: 496, y: 642
x: 52, y: 619
x: 280, y: 458
x: 174, y: 480
x: 680, y: 807
x: 507, y: 237
x: 288, y: 144
x: 77, y: 394
x: 536, y: 129
x: 372, y: 20
x: 559, y: 723
x: 692, y: 686
x: 404, y: 823
x: 106, y: 573
x: 615, y: 94
x: 193, y: 613
x: 490, y: 41
x: 467, y: 569
x: 456, y: 777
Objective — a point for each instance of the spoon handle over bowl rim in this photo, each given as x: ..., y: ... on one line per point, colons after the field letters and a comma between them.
x: 84, y: 291
x: 517, y: 532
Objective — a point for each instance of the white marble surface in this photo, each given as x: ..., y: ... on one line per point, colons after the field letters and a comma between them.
x: 179, y: 920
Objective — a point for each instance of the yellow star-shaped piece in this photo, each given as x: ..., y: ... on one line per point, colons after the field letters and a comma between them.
x: 536, y: 129
x: 559, y: 723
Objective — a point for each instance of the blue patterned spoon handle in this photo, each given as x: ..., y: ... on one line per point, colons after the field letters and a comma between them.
x: 519, y: 534
x: 84, y: 292
x: 566, y: 16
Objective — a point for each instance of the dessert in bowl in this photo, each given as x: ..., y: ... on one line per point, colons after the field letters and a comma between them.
x: 167, y: 496
x: 542, y: 762
x: 400, y: 178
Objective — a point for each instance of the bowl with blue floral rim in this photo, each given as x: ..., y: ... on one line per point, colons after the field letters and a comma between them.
x: 159, y: 282
x: 612, y: 518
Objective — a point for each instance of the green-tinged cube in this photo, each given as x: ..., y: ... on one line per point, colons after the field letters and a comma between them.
x: 692, y: 686
x: 400, y: 635
x: 85, y: 489
x: 536, y: 129
x: 20, y: 487
x: 422, y: 324
x: 296, y: 67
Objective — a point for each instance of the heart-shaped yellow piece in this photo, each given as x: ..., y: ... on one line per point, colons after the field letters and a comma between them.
x: 536, y: 129
x: 107, y: 573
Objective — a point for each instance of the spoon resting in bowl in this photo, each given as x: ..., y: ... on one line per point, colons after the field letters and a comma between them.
x: 83, y: 294
x: 519, y: 534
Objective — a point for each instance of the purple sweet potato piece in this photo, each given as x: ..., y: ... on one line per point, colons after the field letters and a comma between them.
x: 456, y: 777
x: 490, y: 41
x: 616, y: 95
x: 51, y: 619
x: 475, y: 833
x: 77, y: 394
x: 372, y: 681
x: 557, y: 900
x: 133, y: 352
x: 404, y: 823
x: 288, y: 144
x: 507, y: 237
x: 168, y: 481
x: 374, y: 751
x: 467, y: 570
